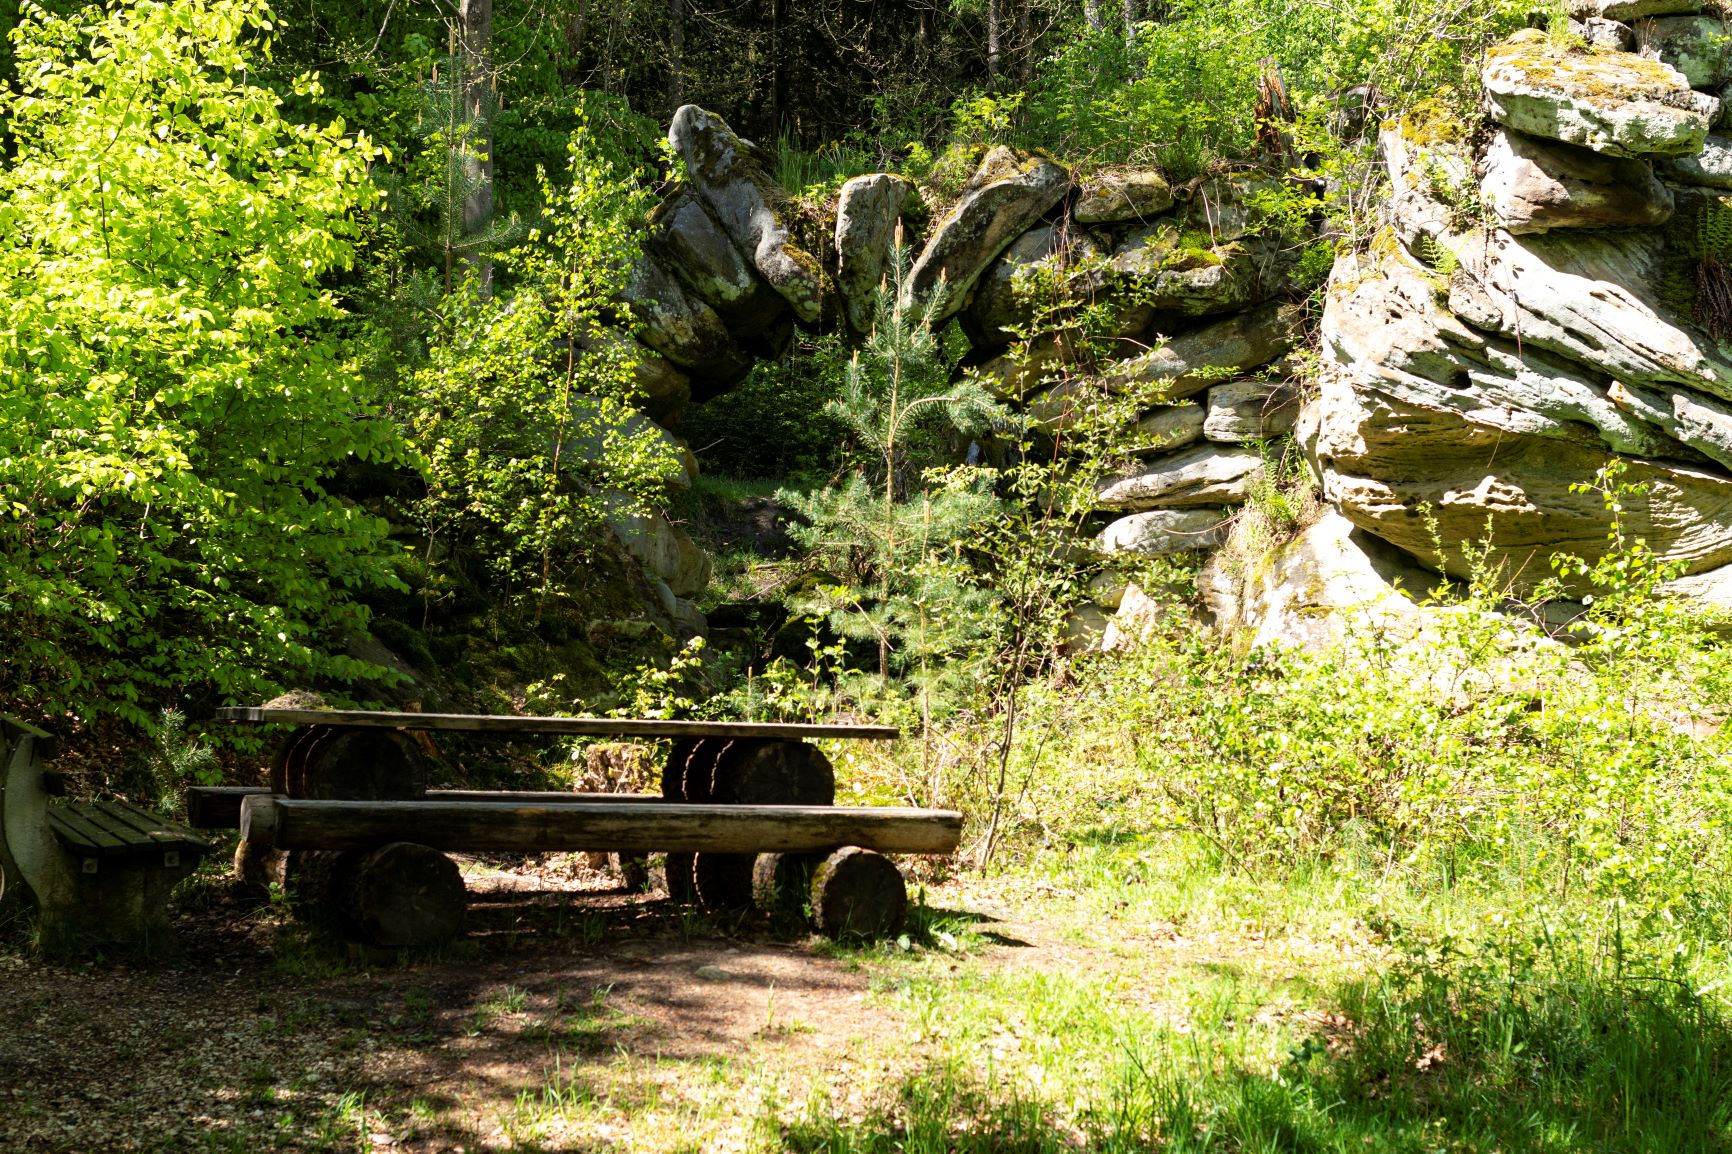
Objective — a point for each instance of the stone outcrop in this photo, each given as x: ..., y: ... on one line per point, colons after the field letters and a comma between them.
x: 1612, y: 102
x: 1008, y: 194
x: 1206, y: 475
x: 1533, y: 185
x: 1329, y: 579
x: 868, y: 211
x: 1474, y: 380
x: 1115, y: 197
x: 732, y: 181
x: 1160, y: 532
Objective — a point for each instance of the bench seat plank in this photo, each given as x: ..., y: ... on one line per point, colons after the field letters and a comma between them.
x: 109, y: 816
x: 118, y: 829
x: 573, y: 726
x: 482, y: 827
x: 78, y: 833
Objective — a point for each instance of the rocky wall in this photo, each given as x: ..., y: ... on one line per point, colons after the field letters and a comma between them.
x: 1549, y: 290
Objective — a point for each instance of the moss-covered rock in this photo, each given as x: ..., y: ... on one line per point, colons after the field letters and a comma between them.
x: 1010, y: 192
x: 1612, y: 102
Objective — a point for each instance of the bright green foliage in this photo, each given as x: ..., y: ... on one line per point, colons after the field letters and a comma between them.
x: 1183, y: 90
x: 172, y: 396
x: 523, y: 413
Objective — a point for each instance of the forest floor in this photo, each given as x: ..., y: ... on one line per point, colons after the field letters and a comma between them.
x: 1076, y: 1011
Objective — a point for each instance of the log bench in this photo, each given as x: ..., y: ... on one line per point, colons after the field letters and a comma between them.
x: 98, y: 873
x: 746, y: 815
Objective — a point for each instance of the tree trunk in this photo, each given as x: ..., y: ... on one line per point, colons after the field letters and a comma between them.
x: 994, y: 41
x: 676, y: 55
x: 1024, y: 49
x: 476, y: 36
x: 1092, y: 13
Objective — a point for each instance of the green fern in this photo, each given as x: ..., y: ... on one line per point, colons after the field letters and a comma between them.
x: 1439, y: 257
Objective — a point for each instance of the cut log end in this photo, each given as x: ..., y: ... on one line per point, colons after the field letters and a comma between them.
x: 782, y: 884
x: 774, y: 773
x: 724, y: 881
x: 858, y: 894
x: 401, y: 895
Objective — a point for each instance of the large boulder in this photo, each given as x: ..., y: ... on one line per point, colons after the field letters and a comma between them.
x: 664, y: 390
x: 683, y: 328
x: 1434, y: 484
x: 1242, y: 411
x: 1612, y: 102
x: 1694, y: 45
x: 867, y: 213
x: 1532, y: 185
x: 1203, y: 475
x: 1114, y: 197
x: 665, y: 550
x: 1173, y: 269
x: 1189, y: 362
x: 1594, y: 298
x: 1384, y: 326
x: 1161, y: 532
x: 1000, y: 300
x: 1167, y: 428
x: 1329, y: 581
x: 686, y: 239
x: 1008, y: 194
x: 730, y: 177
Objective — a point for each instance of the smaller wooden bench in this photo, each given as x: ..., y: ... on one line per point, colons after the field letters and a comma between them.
x: 96, y: 832
x: 98, y: 874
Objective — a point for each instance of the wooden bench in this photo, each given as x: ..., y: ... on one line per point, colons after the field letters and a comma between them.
x: 746, y: 813
x: 99, y: 874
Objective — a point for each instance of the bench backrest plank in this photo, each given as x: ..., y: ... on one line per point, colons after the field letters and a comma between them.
x: 570, y: 726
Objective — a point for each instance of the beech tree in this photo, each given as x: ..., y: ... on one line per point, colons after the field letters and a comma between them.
x: 173, y: 395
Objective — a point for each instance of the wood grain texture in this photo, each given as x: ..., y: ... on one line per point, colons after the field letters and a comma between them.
x: 219, y: 806
x: 503, y: 827
x: 580, y: 726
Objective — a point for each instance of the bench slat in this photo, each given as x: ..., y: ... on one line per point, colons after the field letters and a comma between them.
x: 103, y: 815
x: 118, y: 829
x: 573, y: 726
x: 162, y: 832
x: 483, y: 827
x: 76, y: 832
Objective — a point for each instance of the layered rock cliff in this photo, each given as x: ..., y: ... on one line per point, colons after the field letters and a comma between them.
x: 1549, y: 290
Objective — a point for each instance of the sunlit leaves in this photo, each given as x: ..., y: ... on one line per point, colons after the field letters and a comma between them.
x: 170, y: 394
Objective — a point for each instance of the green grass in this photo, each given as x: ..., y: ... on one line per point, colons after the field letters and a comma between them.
x: 1218, y: 1014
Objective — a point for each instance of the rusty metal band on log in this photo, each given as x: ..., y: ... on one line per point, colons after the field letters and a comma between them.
x: 507, y: 827
x: 577, y: 726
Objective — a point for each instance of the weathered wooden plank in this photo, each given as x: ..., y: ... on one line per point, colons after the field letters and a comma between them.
x: 101, y: 814
x: 219, y: 806
x: 504, y: 827
x: 571, y: 726
x: 163, y: 833
x: 77, y: 832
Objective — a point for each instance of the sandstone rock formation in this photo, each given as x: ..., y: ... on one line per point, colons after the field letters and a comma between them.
x: 1612, y: 102
x: 1008, y: 194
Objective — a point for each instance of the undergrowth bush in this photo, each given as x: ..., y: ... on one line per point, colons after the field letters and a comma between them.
x: 1459, y: 747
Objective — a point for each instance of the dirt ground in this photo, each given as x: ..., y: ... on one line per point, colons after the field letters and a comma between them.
x: 574, y: 1016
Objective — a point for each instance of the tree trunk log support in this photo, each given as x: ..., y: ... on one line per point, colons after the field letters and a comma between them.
x: 857, y: 894
x: 502, y: 827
